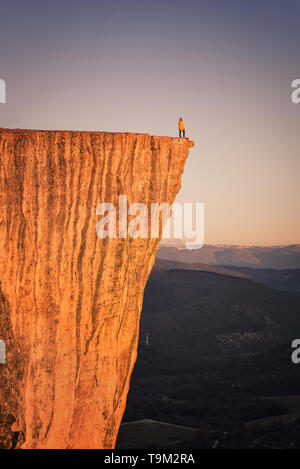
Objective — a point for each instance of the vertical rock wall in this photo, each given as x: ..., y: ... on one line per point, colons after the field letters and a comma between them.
x: 70, y: 302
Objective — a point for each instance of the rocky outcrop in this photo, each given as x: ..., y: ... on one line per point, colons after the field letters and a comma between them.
x: 70, y: 301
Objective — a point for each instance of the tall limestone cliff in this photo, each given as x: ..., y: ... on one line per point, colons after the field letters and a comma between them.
x: 70, y: 302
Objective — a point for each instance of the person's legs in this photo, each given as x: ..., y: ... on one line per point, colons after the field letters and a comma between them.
x: 183, y: 133
x: 179, y: 133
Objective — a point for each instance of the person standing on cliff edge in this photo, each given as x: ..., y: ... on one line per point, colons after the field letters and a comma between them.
x: 181, y: 127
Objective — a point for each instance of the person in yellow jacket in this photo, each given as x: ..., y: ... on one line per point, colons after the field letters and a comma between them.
x: 181, y: 127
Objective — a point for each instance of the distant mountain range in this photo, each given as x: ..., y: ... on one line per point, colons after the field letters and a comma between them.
x: 273, y: 257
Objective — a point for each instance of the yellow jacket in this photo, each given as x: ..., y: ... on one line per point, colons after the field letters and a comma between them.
x: 180, y: 125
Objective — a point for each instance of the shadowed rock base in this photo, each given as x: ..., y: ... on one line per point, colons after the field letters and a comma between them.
x: 70, y: 302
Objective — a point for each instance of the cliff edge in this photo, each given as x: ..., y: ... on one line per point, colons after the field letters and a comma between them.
x: 70, y: 302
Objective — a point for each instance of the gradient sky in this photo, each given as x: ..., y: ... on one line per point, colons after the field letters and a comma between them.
x: 225, y: 66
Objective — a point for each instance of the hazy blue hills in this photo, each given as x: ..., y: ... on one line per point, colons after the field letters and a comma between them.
x: 274, y: 257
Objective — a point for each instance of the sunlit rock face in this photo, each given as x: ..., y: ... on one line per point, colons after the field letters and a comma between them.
x: 70, y: 302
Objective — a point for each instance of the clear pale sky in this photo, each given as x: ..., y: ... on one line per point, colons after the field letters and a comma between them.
x: 226, y: 67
